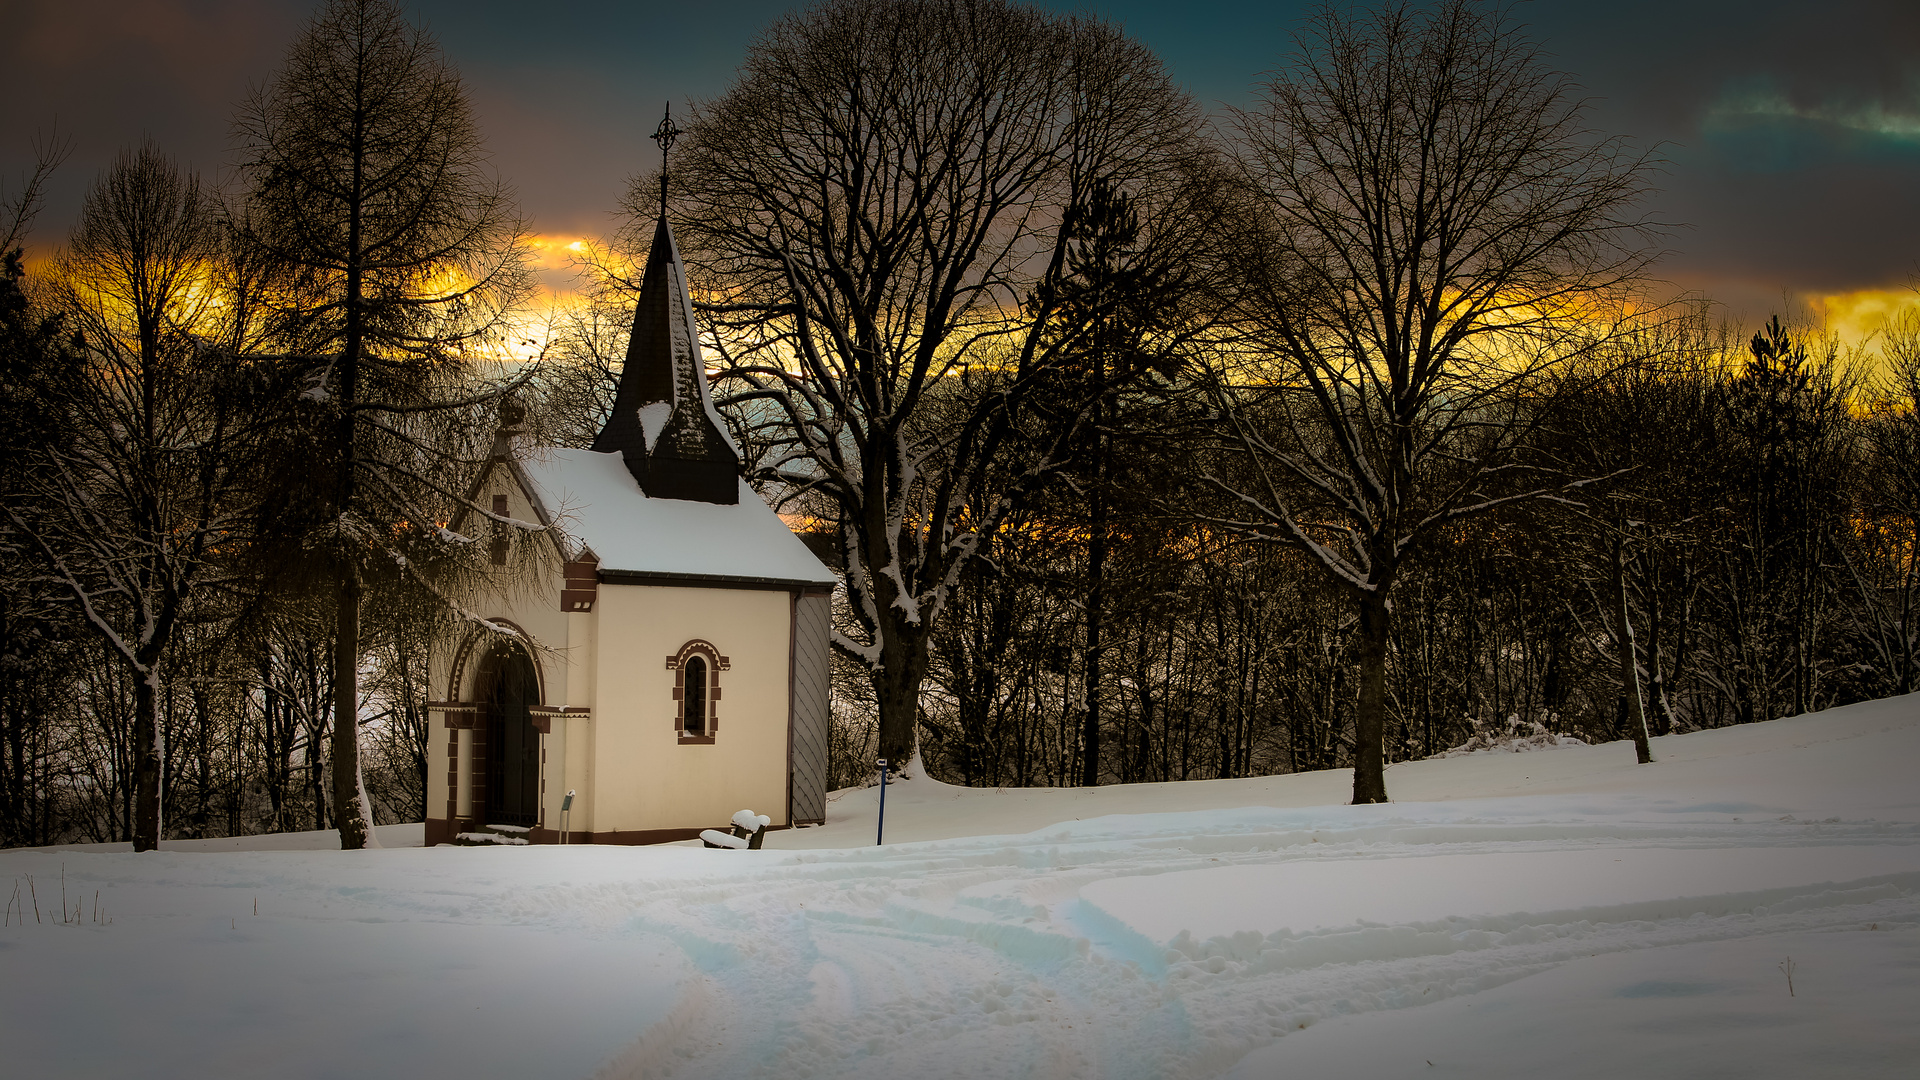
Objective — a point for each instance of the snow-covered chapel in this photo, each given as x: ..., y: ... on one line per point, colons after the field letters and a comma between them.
x: 674, y: 662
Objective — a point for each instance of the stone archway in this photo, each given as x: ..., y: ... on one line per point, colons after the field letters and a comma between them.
x: 507, y: 687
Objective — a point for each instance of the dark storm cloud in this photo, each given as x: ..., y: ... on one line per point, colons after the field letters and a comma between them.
x: 566, y: 99
x: 569, y: 100
x: 106, y: 73
x: 1791, y: 131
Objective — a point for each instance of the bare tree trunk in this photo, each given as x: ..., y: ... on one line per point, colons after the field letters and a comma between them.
x: 1629, y: 665
x: 1904, y: 646
x: 1656, y: 660
x: 1096, y: 600
x: 317, y: 789
x: 1370, y: 711
x: 346, y: 639
x: 347, y: 806
x: 896, y: 689
x: 146, y: 760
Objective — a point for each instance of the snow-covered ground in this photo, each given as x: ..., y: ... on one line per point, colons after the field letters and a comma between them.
x: 1559, y: 913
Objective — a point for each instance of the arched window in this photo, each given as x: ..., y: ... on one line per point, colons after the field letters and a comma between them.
x: 693, y: 702
x: 696, y: 690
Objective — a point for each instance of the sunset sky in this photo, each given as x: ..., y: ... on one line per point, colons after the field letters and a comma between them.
x: 1791, y: 130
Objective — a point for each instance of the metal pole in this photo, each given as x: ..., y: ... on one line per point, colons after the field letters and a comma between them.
x: 566, y: 810
x: 880, y: 830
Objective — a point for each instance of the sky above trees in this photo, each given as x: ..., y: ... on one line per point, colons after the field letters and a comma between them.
x: 1792, y: 131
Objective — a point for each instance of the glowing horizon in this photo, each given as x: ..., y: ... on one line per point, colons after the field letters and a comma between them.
x: 560, y: 265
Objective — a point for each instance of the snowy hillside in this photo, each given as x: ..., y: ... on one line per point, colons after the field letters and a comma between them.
x: 1558, y: 913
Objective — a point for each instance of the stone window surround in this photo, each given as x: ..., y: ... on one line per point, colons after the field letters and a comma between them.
x: 716, y: 664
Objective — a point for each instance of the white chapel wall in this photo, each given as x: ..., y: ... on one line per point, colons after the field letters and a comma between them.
x: 644, y: 778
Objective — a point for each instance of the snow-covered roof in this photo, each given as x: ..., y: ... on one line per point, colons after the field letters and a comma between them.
x: 599, y: 505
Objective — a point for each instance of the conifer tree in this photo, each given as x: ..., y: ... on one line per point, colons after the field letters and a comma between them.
x: 367, y: 186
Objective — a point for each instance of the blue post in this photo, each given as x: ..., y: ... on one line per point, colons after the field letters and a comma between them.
x: 880, y: 831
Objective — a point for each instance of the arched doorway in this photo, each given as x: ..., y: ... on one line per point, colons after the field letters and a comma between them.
x: 508, y: 686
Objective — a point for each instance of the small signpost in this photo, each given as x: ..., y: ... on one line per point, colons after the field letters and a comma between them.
x: 880, y: 831
x: 566, y: 809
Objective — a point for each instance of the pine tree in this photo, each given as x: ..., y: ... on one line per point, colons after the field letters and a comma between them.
x: 367, y: 186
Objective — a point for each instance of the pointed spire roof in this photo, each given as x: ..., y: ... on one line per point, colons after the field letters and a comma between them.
x: 664, y: 423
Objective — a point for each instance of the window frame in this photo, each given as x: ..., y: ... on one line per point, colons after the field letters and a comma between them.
x: 715, y: 663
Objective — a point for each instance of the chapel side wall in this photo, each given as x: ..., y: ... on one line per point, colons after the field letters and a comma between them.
x: 812, y: 704
x: 646, y: 778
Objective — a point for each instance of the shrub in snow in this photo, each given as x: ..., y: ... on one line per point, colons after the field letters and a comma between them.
x: 1512, y: 742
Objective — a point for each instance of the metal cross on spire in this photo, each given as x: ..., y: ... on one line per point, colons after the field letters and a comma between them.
x: 664, y: 135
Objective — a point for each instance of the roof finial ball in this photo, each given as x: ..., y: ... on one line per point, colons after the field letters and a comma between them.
x: 513, y: 412
x: 513, y: 418
x: 664, y: 135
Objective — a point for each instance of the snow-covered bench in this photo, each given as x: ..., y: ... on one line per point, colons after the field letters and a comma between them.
x: 748, y: 830
x: 509, y: 835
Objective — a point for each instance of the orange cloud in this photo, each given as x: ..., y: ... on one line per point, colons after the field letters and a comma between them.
x: 559, y: 251
x: 1858, y: 317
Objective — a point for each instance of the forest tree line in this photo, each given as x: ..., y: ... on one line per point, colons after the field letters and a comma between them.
x: 1340, y: 431
x: 1757, y: 512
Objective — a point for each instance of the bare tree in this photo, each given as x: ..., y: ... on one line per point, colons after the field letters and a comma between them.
x: 21, y: 205
x: 573, y: 392
x: 1883, y: 555
x: 367, y: 180
x: 1429, y: 223
x: 879, y: 199
x: 128, y: 512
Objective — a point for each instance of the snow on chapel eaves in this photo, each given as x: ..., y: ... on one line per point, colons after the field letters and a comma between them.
x: 601, y: 507
x: 660, y: 492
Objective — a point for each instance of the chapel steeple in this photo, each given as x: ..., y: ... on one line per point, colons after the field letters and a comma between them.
x: 663, y: 423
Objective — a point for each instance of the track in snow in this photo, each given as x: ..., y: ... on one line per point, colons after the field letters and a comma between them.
x: 1190, y: 942
x: 990, y: 958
